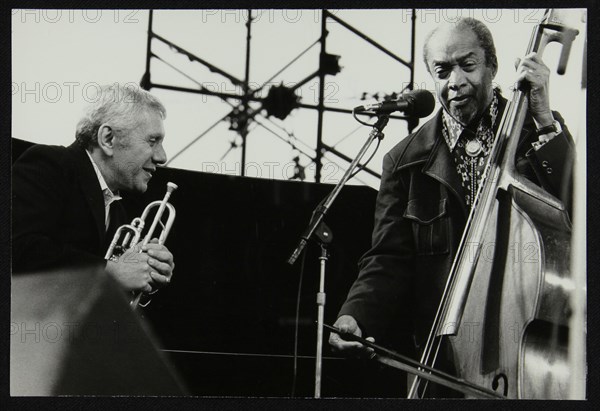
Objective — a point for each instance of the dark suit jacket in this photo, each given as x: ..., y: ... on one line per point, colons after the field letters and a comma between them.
x: 419, y: 218
x: 58, y: 210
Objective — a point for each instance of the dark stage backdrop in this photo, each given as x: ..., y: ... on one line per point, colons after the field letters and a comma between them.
x: 227, y: 319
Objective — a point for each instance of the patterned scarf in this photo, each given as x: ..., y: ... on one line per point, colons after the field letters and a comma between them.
x: 470, y: 149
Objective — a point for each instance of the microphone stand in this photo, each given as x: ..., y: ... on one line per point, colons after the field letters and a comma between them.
x: 325, y: 237
x: 323, y: 234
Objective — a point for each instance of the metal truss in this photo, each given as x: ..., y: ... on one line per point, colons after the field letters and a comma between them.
x: 242, y: 113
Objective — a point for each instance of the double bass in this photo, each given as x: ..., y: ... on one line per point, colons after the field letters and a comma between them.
x: 506, y: 305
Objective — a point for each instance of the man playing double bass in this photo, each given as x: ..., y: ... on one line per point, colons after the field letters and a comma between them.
x: 429, y: 183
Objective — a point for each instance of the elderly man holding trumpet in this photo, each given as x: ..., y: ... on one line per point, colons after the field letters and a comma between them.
x: 65, y: 207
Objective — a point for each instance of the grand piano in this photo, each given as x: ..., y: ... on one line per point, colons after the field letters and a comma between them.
x: 226, y: 323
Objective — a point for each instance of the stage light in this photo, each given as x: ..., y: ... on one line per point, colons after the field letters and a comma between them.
x: 280, y: 101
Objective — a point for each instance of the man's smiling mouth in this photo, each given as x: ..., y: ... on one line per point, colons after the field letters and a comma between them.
x: 460, y: 100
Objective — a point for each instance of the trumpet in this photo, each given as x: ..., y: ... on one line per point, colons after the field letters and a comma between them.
x: 128, y: 235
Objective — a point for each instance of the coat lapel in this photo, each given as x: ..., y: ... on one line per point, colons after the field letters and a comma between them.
x: 91, y: 188
x: 117, y: 219
x: 440, y: 165
x: 429, y: 145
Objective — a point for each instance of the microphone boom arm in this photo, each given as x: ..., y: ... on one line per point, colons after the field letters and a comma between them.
x: 321, y: 210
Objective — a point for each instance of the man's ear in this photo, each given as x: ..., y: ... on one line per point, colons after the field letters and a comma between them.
x: 106, y: 139
x: 494, y: 69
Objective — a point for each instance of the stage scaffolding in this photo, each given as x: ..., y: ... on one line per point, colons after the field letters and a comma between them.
x: 242, y: 113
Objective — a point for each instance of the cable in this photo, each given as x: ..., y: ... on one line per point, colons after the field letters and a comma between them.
x: 280, y: 127
x: 332, y: 161
x: 184, y: 74
x: 346, y: 136
x: 232, y: 145
x: 364, y: 123
x: 196, y: 139
x: 281, y: 138
x: 244, y: 354
x: 285, y: 67
x: 362, y: 166
x: 296, y: 334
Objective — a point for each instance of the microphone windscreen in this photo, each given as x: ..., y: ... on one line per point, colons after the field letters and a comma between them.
x: 423, y: 103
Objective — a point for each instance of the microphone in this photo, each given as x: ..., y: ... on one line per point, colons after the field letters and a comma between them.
x: 417, y: 103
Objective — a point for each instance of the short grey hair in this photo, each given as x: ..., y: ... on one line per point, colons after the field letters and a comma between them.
x: 119, y: 105
x: 483, y: 34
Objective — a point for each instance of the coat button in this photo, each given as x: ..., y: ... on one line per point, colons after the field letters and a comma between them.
x: 549, y: 170
x: 544, y: 163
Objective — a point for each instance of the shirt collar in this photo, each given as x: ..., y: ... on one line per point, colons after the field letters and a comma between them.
x: 453, y: 128
x: 109, y: 196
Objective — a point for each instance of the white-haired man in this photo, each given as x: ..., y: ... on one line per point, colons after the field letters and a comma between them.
x: 65, y: 207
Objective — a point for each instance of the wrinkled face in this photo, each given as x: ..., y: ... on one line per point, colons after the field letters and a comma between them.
x: 457, y: 63
x: 137, y: 151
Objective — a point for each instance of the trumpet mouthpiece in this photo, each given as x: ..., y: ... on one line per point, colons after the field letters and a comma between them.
x: 171, y: 187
